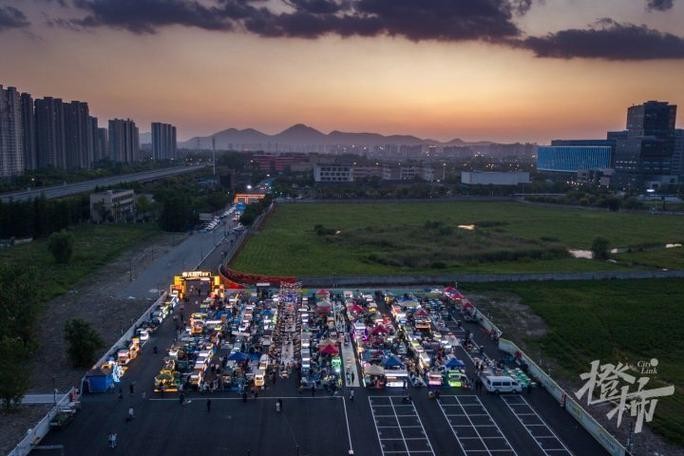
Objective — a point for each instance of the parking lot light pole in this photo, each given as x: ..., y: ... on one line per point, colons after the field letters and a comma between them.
x: 54, y: 391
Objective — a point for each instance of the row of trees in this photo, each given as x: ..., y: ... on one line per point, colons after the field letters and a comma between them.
x: 254, y: 210
x: 41, y: 217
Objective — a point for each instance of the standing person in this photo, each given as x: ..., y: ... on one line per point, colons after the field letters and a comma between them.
x: 120, y: 393
x: 313, y: 390
x: 181, y: 398
x: 244, y: 395
x: 208, y: 405
x: 131, y: 388
x: 351, y: 395
x: 131, y: 414
x: 111, y: 439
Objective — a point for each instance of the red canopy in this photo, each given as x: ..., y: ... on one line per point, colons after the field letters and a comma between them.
x: 329, y: 349
x: 378, y: 330
x: 421, y: 313
x: 355, y: 308
x: 323, y: 292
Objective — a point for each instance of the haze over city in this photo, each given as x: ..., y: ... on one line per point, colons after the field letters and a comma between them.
x: 497, y: 70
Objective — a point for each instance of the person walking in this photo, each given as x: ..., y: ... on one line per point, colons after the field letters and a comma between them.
x: 131, y: 414
x: 131, y: 388
x: 181, y: 398
x: 313, y: 390
x: 111, y: 439
x: 208, y: 405
x: 244, y: 395
x: 351, y: 395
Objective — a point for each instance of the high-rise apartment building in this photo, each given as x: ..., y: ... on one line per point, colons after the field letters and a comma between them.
x: 78, y: 135
x: 163, y: 141
x: 50, y: 133
x: 28, y: 121
x: 102, y: 145
x: 124, y: 141
x: 11, y: 133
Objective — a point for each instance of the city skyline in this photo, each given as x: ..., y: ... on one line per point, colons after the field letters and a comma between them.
x: 515, y: 78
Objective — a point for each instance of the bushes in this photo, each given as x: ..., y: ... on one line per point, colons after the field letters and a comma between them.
x: 600, y: 247
x: 83, y: 342
x: 323, y: 231
x: 61, y: 246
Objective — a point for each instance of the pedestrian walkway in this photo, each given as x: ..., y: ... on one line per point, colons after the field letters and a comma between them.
x: 350, y: 366
x: 35, y: 399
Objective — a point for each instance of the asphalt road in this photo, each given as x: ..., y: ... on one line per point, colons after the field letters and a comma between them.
x: 59, y: 191
x: 375, y: 423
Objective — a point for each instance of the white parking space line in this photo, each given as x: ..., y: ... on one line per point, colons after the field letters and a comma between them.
x: 541, y: 433
x: 483, y: 437
x: 400, y: 432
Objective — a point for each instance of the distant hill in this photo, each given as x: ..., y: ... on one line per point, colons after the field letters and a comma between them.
x: 301, y: 135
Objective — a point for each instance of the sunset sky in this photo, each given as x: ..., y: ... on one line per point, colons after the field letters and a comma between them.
x: 505, y: 70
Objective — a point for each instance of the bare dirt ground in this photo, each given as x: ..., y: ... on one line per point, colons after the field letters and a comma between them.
x: 520, y: 324
x: 92, y: 300
x: 13, y: 425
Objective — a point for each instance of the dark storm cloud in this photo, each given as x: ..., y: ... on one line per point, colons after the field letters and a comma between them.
x: 659, y: 5
x: 449, y: 20
x: 147, y: 16
x: 609, y: 40
x: 11, y: 17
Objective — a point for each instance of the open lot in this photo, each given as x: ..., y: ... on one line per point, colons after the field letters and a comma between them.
x: 397, y: 238
x: 613, y: 321
x: 94, y: 246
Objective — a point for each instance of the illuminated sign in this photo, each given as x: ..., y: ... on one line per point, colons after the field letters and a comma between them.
x: 196, y: 274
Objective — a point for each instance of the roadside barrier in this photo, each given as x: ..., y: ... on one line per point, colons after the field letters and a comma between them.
x: 35, y: 435
x: 593, y: 427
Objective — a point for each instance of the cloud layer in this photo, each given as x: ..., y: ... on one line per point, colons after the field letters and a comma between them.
x: 11, y: 17
x: 492, y: 21
x: 609, y: 40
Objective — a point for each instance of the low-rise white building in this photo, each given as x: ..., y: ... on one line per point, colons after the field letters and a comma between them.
x: 112, y: 206
x: 495, y: 178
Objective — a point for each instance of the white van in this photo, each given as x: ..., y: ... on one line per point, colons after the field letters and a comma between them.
x: 501, y: 384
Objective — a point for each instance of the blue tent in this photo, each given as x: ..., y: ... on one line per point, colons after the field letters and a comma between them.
x: 392, y: 361
x: 99, y: 382
x: 454, y: 363
x: 238, y: 356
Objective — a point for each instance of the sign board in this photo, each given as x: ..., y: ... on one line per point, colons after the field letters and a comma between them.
x: 195, y: 274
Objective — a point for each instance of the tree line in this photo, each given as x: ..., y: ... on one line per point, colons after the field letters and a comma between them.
x: 41, y: 217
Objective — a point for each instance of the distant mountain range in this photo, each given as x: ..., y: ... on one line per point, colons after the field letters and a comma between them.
x: 303, y: 135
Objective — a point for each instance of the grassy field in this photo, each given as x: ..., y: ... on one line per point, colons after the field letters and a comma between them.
x: 613, y: 321
x: 94, y: 245
x: 404, y: 238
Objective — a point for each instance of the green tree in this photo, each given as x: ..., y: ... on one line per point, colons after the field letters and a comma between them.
x: 600, y: 247
x: 19, y: 306
x: 143, y: 205
x: 61, y: 246
x: 177, y: 214
x: 14, y: 372
x: 83, y: 342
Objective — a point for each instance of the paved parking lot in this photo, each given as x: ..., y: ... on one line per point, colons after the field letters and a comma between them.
x: 473, y: 427
x: 547, y: 440
x: 400, y: 430
x: 375, y: 423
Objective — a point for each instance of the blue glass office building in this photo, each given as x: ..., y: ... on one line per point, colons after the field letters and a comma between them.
x: 570, y: 159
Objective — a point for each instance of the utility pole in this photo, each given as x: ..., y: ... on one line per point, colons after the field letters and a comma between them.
x: 213, y: 153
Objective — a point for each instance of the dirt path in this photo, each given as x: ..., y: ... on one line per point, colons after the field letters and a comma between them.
x: 93, y: 300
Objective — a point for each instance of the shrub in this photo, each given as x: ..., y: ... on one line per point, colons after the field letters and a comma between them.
x: 61, y: 246
x: 600, y: 247
x: 83, y: 342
